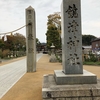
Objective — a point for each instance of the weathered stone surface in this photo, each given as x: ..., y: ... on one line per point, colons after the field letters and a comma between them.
x: 71, y: 37
x: 60, y: 99
x: 51, y: 90
x: 71, y: 99
x: 85, y: 78
x: 30, y: 39
x: 83, y: 98
x: 53, y: 58
x: 96, y: 98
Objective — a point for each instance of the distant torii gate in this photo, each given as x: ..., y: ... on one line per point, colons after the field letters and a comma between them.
x: 30, y: 39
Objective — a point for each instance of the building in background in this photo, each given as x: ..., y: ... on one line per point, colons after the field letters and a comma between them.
x: 96, y: 46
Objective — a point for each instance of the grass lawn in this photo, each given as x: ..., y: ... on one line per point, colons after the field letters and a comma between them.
x: 91, y: 63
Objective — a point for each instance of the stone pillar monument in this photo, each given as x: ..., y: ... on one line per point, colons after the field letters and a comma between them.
x: 71, y: 37
x: 30, y: 39
x: 72, y: 72
x: 72, y: 82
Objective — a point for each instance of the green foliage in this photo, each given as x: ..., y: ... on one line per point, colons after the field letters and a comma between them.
x: 92, y: 58
x: 5, y: 53
x: 16, y: 42
x: 91, y: 63
x: 0, y: 53
x: 19, y: 42
x: 53, y: 31
x: 1, y: 44
x: 86, y: 39
x: 58, y: 58
x: 53, y: 37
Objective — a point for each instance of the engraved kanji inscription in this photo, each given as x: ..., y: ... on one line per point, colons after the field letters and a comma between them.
x: 70, y: 43
x: 73, y: 43
x: 30, y: 50
x: 73, y: 59
x: 72, y: 11
x: 30, y: 16
x: 30, y: 37
x: 73, y: 26
x: 29, y: 11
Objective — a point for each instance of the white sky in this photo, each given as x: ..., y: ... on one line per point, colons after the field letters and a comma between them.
x: 12, y: 15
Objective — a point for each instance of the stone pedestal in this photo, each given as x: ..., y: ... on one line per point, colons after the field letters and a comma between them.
x: 52, y: 91
x: 72, y: 79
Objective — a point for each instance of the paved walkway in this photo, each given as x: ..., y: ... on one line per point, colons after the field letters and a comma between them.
x: 11, y: 73
x: 29, y: 87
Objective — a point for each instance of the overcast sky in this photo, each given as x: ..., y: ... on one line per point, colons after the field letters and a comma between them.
x: 12, y: 15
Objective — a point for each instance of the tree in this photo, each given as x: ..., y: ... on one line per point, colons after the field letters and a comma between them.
x: 53, y: 37
x: 54, y: 27
x: 55, y: 19
x: 86, y: 39
x: 37, y: 41
x: 15, y: 42
x: 1, y: 47
x: 38, y: 44
x: 54, y: 30
x: 20, y: 41
x: 1, y: 43
x: 9, y: 43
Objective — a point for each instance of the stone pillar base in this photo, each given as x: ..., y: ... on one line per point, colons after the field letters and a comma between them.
x: 52, y: 91
x: 85, y: 78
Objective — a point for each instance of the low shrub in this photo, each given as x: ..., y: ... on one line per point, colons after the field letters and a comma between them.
x: 91, y: 63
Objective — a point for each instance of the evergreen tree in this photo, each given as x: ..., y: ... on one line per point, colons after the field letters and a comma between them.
x: 53, y: 37
x: 86, y: 39
x: 54, y: 30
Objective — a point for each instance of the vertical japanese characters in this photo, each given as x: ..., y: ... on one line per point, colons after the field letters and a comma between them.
x: 31, y: 39
x: 30, y: 35
x: 73, y: 40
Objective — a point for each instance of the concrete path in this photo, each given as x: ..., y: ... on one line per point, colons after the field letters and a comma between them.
x: 11, y: 73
